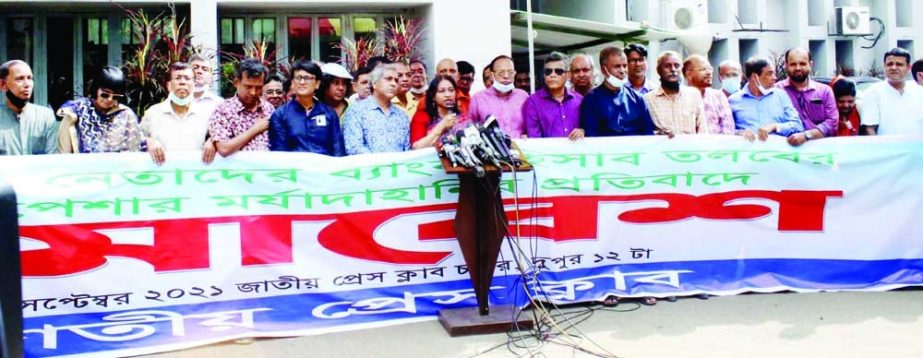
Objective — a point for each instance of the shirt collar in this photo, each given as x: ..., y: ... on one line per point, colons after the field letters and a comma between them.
x: 746, y: 92
x: 168, y: 108
x: 543, y: 92
x: 787, y: 83
x: 240, y: 108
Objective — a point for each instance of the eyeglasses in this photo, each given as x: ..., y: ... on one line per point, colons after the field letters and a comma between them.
x: 304, y: 78
x: 107, y: 95
x: 557, y: 71
x: 505, y: 72
x: 273, y: 92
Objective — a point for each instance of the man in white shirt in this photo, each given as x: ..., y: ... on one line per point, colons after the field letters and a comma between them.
x: 893, y: 107
x: 203, y: 94
x: 177, y: 123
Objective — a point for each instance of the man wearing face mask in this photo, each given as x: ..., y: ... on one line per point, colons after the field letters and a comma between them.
x: 760, y: 109
x: 502, y: 100
x: 25, y: 128
x: 610, y: 109
x: 417, y: 80
x: 176, y: 124
x: 202, y: 92
x: 814, y: 101
x: 729, y: 74
x: 675, y: 109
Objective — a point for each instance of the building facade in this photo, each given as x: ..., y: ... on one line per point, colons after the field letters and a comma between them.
x: 739, y: 29
x: 67, y: 41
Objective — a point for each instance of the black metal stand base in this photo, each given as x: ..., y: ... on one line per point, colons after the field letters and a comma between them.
x: 469, y: 321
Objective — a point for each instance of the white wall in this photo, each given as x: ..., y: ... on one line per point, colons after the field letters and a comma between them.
x: 472, y: 30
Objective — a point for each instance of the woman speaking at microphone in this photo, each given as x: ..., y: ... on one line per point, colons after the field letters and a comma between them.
x: 437, y: 116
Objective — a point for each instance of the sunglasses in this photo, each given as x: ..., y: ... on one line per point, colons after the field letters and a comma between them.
x: 557, y: 71
x: 107, y: 95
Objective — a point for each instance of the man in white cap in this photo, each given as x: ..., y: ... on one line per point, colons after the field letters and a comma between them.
x: 334, y: 87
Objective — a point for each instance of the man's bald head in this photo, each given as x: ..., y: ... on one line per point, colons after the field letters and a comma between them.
x: 448, y: 67
x: 697, y: 71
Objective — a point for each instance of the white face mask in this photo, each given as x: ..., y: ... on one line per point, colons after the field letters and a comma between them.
x: 200, y: 89
x: 182, y: 102
x: 615, y: 81
x: 763, y: 90
x: 731, y: 84
x: 420, y: 90
x: 502, y: 88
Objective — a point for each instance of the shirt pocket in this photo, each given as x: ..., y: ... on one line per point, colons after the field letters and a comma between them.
x: 36, y: 143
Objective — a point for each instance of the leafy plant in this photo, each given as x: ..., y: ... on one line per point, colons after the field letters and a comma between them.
x: 258, y: 49
x: 402, y: 39
x: 357, y: 53
x: 399, y: 41
x: 161, y: 40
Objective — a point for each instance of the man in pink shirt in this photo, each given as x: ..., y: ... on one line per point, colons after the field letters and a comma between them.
x: 502, y: 99
x: 698, y: 73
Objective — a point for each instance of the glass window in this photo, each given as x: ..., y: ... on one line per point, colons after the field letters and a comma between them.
x: 131, y: 35
x: 61, y: 65
x: 19, y: 40
x: 97, y: 31
x: 95, y: 47
x: 264, y: 30
x: 364, y: 27
x: 330, y: 32
x: 232, y: 31
x: 299, y: 38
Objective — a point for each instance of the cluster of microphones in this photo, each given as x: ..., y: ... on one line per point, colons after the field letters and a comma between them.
x: 478, y: 145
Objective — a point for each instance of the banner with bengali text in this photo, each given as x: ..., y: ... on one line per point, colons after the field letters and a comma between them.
x: 123, y: 257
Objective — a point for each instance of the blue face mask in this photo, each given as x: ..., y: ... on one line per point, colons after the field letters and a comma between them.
x: 731, y: 84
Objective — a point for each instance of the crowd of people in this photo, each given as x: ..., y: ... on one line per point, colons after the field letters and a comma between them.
x: 392, y: 106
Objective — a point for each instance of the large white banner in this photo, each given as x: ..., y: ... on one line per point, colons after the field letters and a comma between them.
x: 121, y: 256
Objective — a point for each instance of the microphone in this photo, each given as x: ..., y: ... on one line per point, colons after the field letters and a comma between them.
x: 449, y: 149
x: 497, y: 137
x: 466, y: 149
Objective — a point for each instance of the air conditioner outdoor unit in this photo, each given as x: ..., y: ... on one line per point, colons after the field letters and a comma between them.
x: 682, y: 15
x: 852, y: 20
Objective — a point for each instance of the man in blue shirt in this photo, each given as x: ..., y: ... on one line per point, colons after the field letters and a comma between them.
x: 304, y: 124
x: 375, y: 125
x: 610, y: 110
x: 760, y: 107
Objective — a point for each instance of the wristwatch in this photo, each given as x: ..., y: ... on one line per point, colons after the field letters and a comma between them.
x: 808, y: 135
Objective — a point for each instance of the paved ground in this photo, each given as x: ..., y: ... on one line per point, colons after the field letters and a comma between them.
x: 846, y: 324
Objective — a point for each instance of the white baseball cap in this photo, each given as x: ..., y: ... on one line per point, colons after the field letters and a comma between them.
x: 336, y: 70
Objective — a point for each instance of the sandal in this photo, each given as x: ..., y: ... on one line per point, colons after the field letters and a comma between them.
x: 611, y: 301
x: 649, y: 301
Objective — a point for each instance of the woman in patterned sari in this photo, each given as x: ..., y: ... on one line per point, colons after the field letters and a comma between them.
x: 101, y: 124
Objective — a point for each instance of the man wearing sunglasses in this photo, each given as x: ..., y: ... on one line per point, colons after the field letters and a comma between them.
x: 554, y: 110
x: 25, y: 128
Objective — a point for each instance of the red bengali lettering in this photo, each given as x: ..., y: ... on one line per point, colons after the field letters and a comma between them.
x: 182, y: 244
